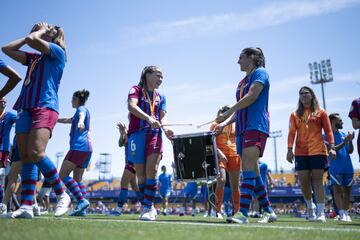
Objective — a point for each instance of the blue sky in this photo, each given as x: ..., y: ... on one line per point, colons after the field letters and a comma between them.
x: 197, y: 44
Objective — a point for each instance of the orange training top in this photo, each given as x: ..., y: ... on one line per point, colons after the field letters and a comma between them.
x: 308, y: 130
x: 225, y: 141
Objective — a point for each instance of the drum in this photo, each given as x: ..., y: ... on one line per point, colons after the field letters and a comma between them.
x: 195, y: 157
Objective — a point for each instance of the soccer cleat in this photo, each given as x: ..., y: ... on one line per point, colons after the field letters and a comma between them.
x: 82, y: 213
x: 348, y: 218
x: 63, y: 205
x: 219, y: 216
x: 116, y: 212
x: 147, y: 214
x: 182, y: 211
x: 82, y: 205
x: 193, y: 212
x: 238, y: 218
x: 3, y: 208
x: 268, y: 218
x: 321, y: 217
x: 206, y: 214
x: 36, y: 210
x: 22, y: 212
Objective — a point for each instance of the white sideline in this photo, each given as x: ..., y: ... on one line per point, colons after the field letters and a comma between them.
x: 251, y: 225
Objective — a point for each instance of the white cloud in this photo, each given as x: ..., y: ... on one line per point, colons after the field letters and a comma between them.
x: 269, y: 15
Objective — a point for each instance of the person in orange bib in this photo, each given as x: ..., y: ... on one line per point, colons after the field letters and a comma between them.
x: 229, y: 161
x: 307, y: 123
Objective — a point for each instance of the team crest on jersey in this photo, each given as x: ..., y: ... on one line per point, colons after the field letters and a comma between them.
x: 132, y: 91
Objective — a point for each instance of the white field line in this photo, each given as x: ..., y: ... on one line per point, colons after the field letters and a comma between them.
x: 251, y: 225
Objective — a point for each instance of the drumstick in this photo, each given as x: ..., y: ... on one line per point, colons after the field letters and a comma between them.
x: 176, y: 124
x: 201, y: 125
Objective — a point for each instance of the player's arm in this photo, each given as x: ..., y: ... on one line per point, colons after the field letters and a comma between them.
x: 64, y: 120
x: 14, y: 79
x: 136, y: 111
x: 247, y: 100
x: 81, y: 124
x: 163, y: 120
x: 12, y: 49
x: 35, y: 41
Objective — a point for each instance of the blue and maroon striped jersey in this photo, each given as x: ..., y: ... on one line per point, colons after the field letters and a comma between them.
x: 80, y: 141
x: 256, y: 116
x: 6, y: 123
x: 136, y: 123
x: 41, y: 90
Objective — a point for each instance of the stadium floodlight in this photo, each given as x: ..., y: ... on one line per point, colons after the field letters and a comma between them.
x: 321, y: 73
x: 58, y: 156
x: 274, y: 135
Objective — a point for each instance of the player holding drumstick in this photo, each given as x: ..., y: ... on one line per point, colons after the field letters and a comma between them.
x: 147, y: 110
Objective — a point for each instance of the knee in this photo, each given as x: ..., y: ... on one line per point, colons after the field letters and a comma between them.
x: 34, y: 155
x: 221, y: 181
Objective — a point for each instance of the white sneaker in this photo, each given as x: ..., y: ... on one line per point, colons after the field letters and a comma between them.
x: 3, y: 208
x: 311, y: 214
x: 268, y: 218
x: 206, y: 214
x: 321, y: 217
x: 36, y: 210
x: 147, y: 214
x: 154, y: 211
x: 348, y: 218
x: 63, y: 205
x: 22, y: 212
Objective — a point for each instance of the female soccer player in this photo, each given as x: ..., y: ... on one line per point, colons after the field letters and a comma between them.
x: 37, y: 108
x: 252, y: 130
x: 147, y: 109
x: 79, y: 155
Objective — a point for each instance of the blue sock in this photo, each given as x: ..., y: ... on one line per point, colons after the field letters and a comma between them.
x: 29, y: 176
x: 122, y: 197
x: 49, y: 171
x: 149, y: 193
x: 261, y: 195
x: 247, y: 191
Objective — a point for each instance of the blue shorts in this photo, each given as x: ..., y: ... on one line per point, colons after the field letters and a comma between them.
x: 341, y: 179
x: 15, y: 156
x: 190, y: 193
x: 310, y: 162
x: 141, y: 145
x: 164, y: 194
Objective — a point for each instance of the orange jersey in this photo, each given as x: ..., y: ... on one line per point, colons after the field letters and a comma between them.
x: 226, y: 142
x: 308, y: 130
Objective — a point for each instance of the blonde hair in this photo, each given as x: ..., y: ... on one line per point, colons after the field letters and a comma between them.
x: 59, y: 38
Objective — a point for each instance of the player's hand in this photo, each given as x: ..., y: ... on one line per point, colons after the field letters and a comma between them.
x: 154, y: 123
x: 290, y: 156
x: 81, y: 126
x: 218, y: 129
x: 349, y: 137
x: 332, y: 153
x: 121, y: 127
x: 222, y: 117
x: 169, y: 133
